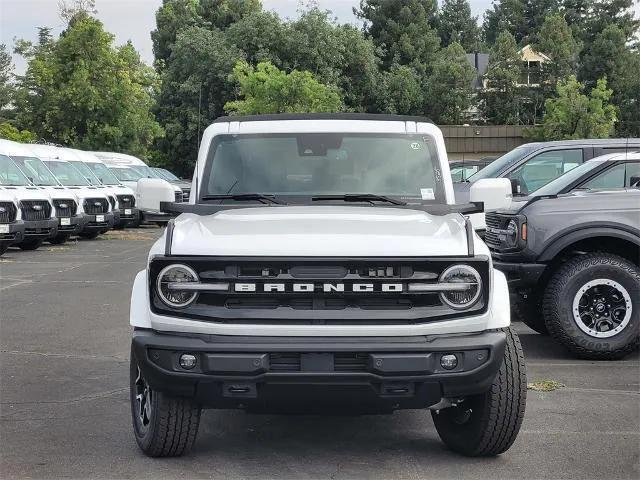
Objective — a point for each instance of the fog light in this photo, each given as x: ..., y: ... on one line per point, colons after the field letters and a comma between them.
x: 187, y: 361
x: 449, y: 362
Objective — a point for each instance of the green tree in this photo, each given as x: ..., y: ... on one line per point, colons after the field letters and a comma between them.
x: 400, y: 91
x: 9, y: 132
x: 7, y: 88
x: 224, y: 13
x: 455, y: 24
x: 172, y: 17
x: 505, y: 15
x: 83, y: 92
x: 404, y: 29
x: 449, y: 89
x: 261, y: 36
x: 501, y: 99
x: 555, y: 40
x: 627, y: 97
x: 71, y: 10
x: 574, y: 115
x: 606, y: 57
x: 195, y: 88
x: 266, y: 89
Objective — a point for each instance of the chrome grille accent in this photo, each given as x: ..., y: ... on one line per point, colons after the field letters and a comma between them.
x: 126, y: 201
x: 94, y: 206
x: 65, y: 207
x: 35, y: 209
x: 8, y: 212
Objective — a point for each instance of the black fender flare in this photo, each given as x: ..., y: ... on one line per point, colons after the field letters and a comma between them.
x: 563, y: 239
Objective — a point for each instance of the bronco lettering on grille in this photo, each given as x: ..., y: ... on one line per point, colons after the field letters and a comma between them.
x: 324, y: 287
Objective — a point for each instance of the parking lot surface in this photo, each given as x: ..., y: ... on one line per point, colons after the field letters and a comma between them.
x: 64, y: 407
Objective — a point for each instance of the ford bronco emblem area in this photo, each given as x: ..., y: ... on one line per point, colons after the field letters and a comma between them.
x: 322, y: 265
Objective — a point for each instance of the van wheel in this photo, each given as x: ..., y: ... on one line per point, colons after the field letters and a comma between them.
x: 89, y: 235
x: 164, y: 426
x: 487, y: 424
x: 592, y: 306
x: 529, y: 311
x: 30, y: 244
x: 59, y: 239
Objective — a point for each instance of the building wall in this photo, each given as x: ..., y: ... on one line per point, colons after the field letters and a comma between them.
x: 474, y: 142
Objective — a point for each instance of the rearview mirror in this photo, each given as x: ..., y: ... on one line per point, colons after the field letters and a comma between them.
x: 151, y: 191
x: 494, y: 192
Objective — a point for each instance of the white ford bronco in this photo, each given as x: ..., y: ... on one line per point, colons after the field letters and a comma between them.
x: 322, y: 265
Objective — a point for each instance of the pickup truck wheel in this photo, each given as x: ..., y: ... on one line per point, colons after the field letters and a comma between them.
x: 59, y: 239
x: 529, y: 311
x: 591, y: 306
x: 30, y: 244
x: 487, y: 424
x: 164, y: 426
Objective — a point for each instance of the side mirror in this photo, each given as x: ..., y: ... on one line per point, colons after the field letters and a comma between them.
x: 516, y: 187
x: 634, y: 181
x: 151, y: 191
x: 494, y: 192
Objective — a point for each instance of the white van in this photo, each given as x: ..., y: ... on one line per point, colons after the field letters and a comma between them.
x: 133, y: 172
x: 122, y: 198
x: 35, y: 208
x: 11, y: 224
x: 93, y: 201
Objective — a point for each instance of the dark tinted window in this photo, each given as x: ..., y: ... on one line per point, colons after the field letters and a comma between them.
x: 633, y: 175
x: 545, y: 167
x: 612, y: 177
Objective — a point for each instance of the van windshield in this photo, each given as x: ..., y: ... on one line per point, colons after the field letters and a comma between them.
x: 37, y: 171
x: 316, y: 164
x: 10, y: 174
x: 66, y: 174
x: 501, y: 163
x: 126, y: 174
x: 105, y: 175
x: 86, y: 171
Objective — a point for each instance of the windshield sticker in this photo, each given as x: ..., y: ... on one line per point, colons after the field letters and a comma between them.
x: 415, y: 145
x: 427, y: 194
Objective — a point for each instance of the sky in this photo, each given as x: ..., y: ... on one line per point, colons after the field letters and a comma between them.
x: 134, y: 19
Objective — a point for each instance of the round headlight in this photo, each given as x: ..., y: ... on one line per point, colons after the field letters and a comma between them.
x: 176, y: 298
x: 470, y: 289
x: 512, y: 234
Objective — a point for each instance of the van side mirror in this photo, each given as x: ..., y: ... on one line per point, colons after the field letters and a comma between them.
x: 516, y: 187
x: 151, y: 191
x: 634, y: 181
x: 494, y: 192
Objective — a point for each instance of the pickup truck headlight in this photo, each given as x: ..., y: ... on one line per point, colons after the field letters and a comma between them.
x: 469, y: 290
x: 511, y: 234
x: 169, y: 292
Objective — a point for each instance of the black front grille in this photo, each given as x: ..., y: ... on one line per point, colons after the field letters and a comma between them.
x: 35, y: 209
x: 179, y: 197
x: 65, y: 207
x: 333, y: 291
x: 94, y: 206
x: 112, y: 202
x: 342, y: 361
x: 495, y: 223
x: 126, y: 201
x: 8, y: 212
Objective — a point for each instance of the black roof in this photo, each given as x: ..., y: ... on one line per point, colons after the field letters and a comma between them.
x: 324, y: 116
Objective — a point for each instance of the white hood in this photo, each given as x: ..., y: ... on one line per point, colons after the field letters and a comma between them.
x: 316, y: 231
x: 27, y: 193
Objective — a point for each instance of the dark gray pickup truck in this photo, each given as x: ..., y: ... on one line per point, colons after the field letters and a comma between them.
x: 572, y: 262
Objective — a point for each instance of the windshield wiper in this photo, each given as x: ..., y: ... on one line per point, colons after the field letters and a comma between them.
x: 358, y: 197
x: 246, y: 197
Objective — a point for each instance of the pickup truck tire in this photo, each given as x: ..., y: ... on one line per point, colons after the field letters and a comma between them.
x: 529, y: 311
x: 571, y: 291
x: 169, y: 425
x: 487, y: 424
x: 31, y: 244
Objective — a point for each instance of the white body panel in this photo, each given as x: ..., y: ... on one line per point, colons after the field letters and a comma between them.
x: 156, y: 190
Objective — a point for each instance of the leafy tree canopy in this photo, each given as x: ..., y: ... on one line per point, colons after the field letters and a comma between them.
x: 7, y: 89
x: 455, y: 24
x: 266, y: 89
x: 9, y: 132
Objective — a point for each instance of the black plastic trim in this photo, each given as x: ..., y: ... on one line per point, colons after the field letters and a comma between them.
x: 324, y: 116
x: 169, y: 238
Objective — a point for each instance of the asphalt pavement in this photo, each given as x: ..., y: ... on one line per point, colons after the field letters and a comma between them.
x: 64, y: 408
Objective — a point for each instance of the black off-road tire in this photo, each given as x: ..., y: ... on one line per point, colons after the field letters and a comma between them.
x: 30, y: 244
x: 558, y: 303
x: 173, y: 424
x: 529, y: 311
x: 59, y: 239
x: 488, y: 424
x: 89, y: 235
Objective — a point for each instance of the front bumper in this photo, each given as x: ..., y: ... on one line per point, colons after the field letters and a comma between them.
x: 71, y: 225
x: 365, y: 374
x: 127, y: 216
x: 40, y: 228
x: 99, y: 223
x: 520, y: 275
x: 15, y: 233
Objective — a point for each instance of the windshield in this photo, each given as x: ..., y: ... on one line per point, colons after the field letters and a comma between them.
x: 556, y: 186
x: 497, y: 166
x: 105, y: 175
x: 36, y: 170
x: 86, y: 171
x: 145, y: 171
x: 126, y: 174
x: 10, y: 174
x: 313, y: 164
x: 166, y: 174
x: 66, y: 174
